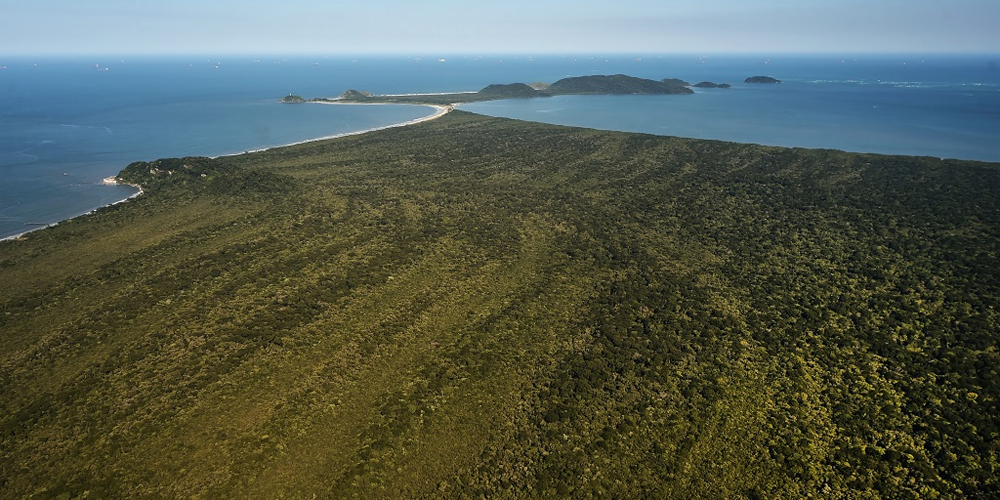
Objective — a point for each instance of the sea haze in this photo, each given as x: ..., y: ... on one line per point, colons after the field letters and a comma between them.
x: 67, y: 123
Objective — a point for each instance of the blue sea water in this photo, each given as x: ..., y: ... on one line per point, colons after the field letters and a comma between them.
x: 67, y: 123
x: 945, y: 107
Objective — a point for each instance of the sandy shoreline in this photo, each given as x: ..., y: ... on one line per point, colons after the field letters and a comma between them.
x: 440, y: 111
x: 107, y: 181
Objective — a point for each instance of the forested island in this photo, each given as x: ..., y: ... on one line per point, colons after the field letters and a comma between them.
x: 477, y: 307
x: 577, y: 85
x: 710, y: 85
x: 762, y: 79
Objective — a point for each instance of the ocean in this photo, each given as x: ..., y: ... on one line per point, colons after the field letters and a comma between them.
x: 941, y: 107
x: 67, y: 123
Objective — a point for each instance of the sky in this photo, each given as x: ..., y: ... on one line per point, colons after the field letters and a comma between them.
x: 506, y: 26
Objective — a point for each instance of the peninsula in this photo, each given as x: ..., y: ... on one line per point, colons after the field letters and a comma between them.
x: 475, y: 307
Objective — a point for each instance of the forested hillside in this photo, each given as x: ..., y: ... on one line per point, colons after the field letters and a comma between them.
x: 475, y: 307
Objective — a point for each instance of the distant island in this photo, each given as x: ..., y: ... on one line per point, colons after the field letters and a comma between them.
x: 710, y: 85
x: 293, y: 99
x: 761, y: 79
x: 578, y: 85
x: 616, y: 84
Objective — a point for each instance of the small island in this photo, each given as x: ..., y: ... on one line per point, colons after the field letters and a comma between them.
x: 710, y: 85
x: 761, y: 79
x: 292, y: 99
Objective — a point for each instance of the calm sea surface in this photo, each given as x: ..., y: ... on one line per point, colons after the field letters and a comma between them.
x: 65, y: 124
x: 944, y: 107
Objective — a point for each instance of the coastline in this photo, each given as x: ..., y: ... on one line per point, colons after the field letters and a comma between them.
x: 107, y: 181
x: 440, y: 110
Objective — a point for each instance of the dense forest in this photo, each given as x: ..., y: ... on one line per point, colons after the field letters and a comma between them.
x: 476, y: 307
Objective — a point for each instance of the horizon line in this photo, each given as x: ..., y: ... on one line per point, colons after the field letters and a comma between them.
x: 437, y: 54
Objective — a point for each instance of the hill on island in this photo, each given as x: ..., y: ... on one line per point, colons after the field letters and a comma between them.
x: 351, y: 94
x: 615, y: 84
x: 476, y: 307
x: 507, y: 91
x: 710, y: 85
x: 762, y: 79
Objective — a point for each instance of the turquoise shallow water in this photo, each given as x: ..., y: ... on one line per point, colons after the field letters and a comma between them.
x: 67, y: 123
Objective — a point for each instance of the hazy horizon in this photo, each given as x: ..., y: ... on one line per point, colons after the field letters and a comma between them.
x: 583, y: 27
x: 434, y: 56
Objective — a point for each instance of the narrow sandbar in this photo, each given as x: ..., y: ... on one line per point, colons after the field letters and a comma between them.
x: 440, y: 110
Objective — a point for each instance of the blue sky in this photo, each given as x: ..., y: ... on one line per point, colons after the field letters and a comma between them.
x: 506, y: 26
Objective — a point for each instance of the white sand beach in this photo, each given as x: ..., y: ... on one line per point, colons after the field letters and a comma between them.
x: 439, y: 111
